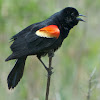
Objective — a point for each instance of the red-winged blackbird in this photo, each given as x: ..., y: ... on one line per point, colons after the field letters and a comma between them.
x: 40, y: 39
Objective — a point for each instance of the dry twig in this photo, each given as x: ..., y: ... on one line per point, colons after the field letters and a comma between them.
x: 90, y: 84
x: 50, y: 55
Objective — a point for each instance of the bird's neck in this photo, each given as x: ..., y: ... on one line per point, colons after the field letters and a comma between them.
x: 65, y: 26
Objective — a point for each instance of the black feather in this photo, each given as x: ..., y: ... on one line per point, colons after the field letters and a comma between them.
x: 16, y: 73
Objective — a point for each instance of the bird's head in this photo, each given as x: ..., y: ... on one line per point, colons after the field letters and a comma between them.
x: 71, y: 16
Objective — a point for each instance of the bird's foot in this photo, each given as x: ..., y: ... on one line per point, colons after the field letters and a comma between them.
x: 49, y: 70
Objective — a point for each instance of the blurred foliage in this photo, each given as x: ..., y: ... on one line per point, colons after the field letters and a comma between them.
x: 73, y: 62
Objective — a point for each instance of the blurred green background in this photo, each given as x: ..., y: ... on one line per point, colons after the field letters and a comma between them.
x: 73, y: 62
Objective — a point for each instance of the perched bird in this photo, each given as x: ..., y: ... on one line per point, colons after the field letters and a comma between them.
x: 40, y: 39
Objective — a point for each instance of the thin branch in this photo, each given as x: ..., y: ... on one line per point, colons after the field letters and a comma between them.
x: 90, y: 84
x: 49, y: 75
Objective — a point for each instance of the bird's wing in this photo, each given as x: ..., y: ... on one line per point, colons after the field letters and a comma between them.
x: 34, y: 41
x: 43, y: 39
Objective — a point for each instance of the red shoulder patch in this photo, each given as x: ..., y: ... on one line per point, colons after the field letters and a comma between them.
x: 49, y: 31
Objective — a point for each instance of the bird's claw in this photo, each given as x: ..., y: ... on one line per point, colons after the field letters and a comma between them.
x: 49, y: 70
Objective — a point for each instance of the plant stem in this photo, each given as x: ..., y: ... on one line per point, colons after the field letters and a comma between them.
x: 49, y: 76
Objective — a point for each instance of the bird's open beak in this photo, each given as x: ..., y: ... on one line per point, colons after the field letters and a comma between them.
x: 79, y: 19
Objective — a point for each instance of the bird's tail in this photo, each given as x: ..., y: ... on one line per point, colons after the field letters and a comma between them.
x: 16, y: 73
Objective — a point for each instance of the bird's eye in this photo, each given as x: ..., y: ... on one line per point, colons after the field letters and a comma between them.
x: 72, y: 14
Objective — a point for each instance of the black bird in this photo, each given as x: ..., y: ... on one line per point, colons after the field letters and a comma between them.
x: 40, y: 39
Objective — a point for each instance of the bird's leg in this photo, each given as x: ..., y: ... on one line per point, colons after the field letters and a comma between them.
x: 42, y: 63
x: 50, y: 55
